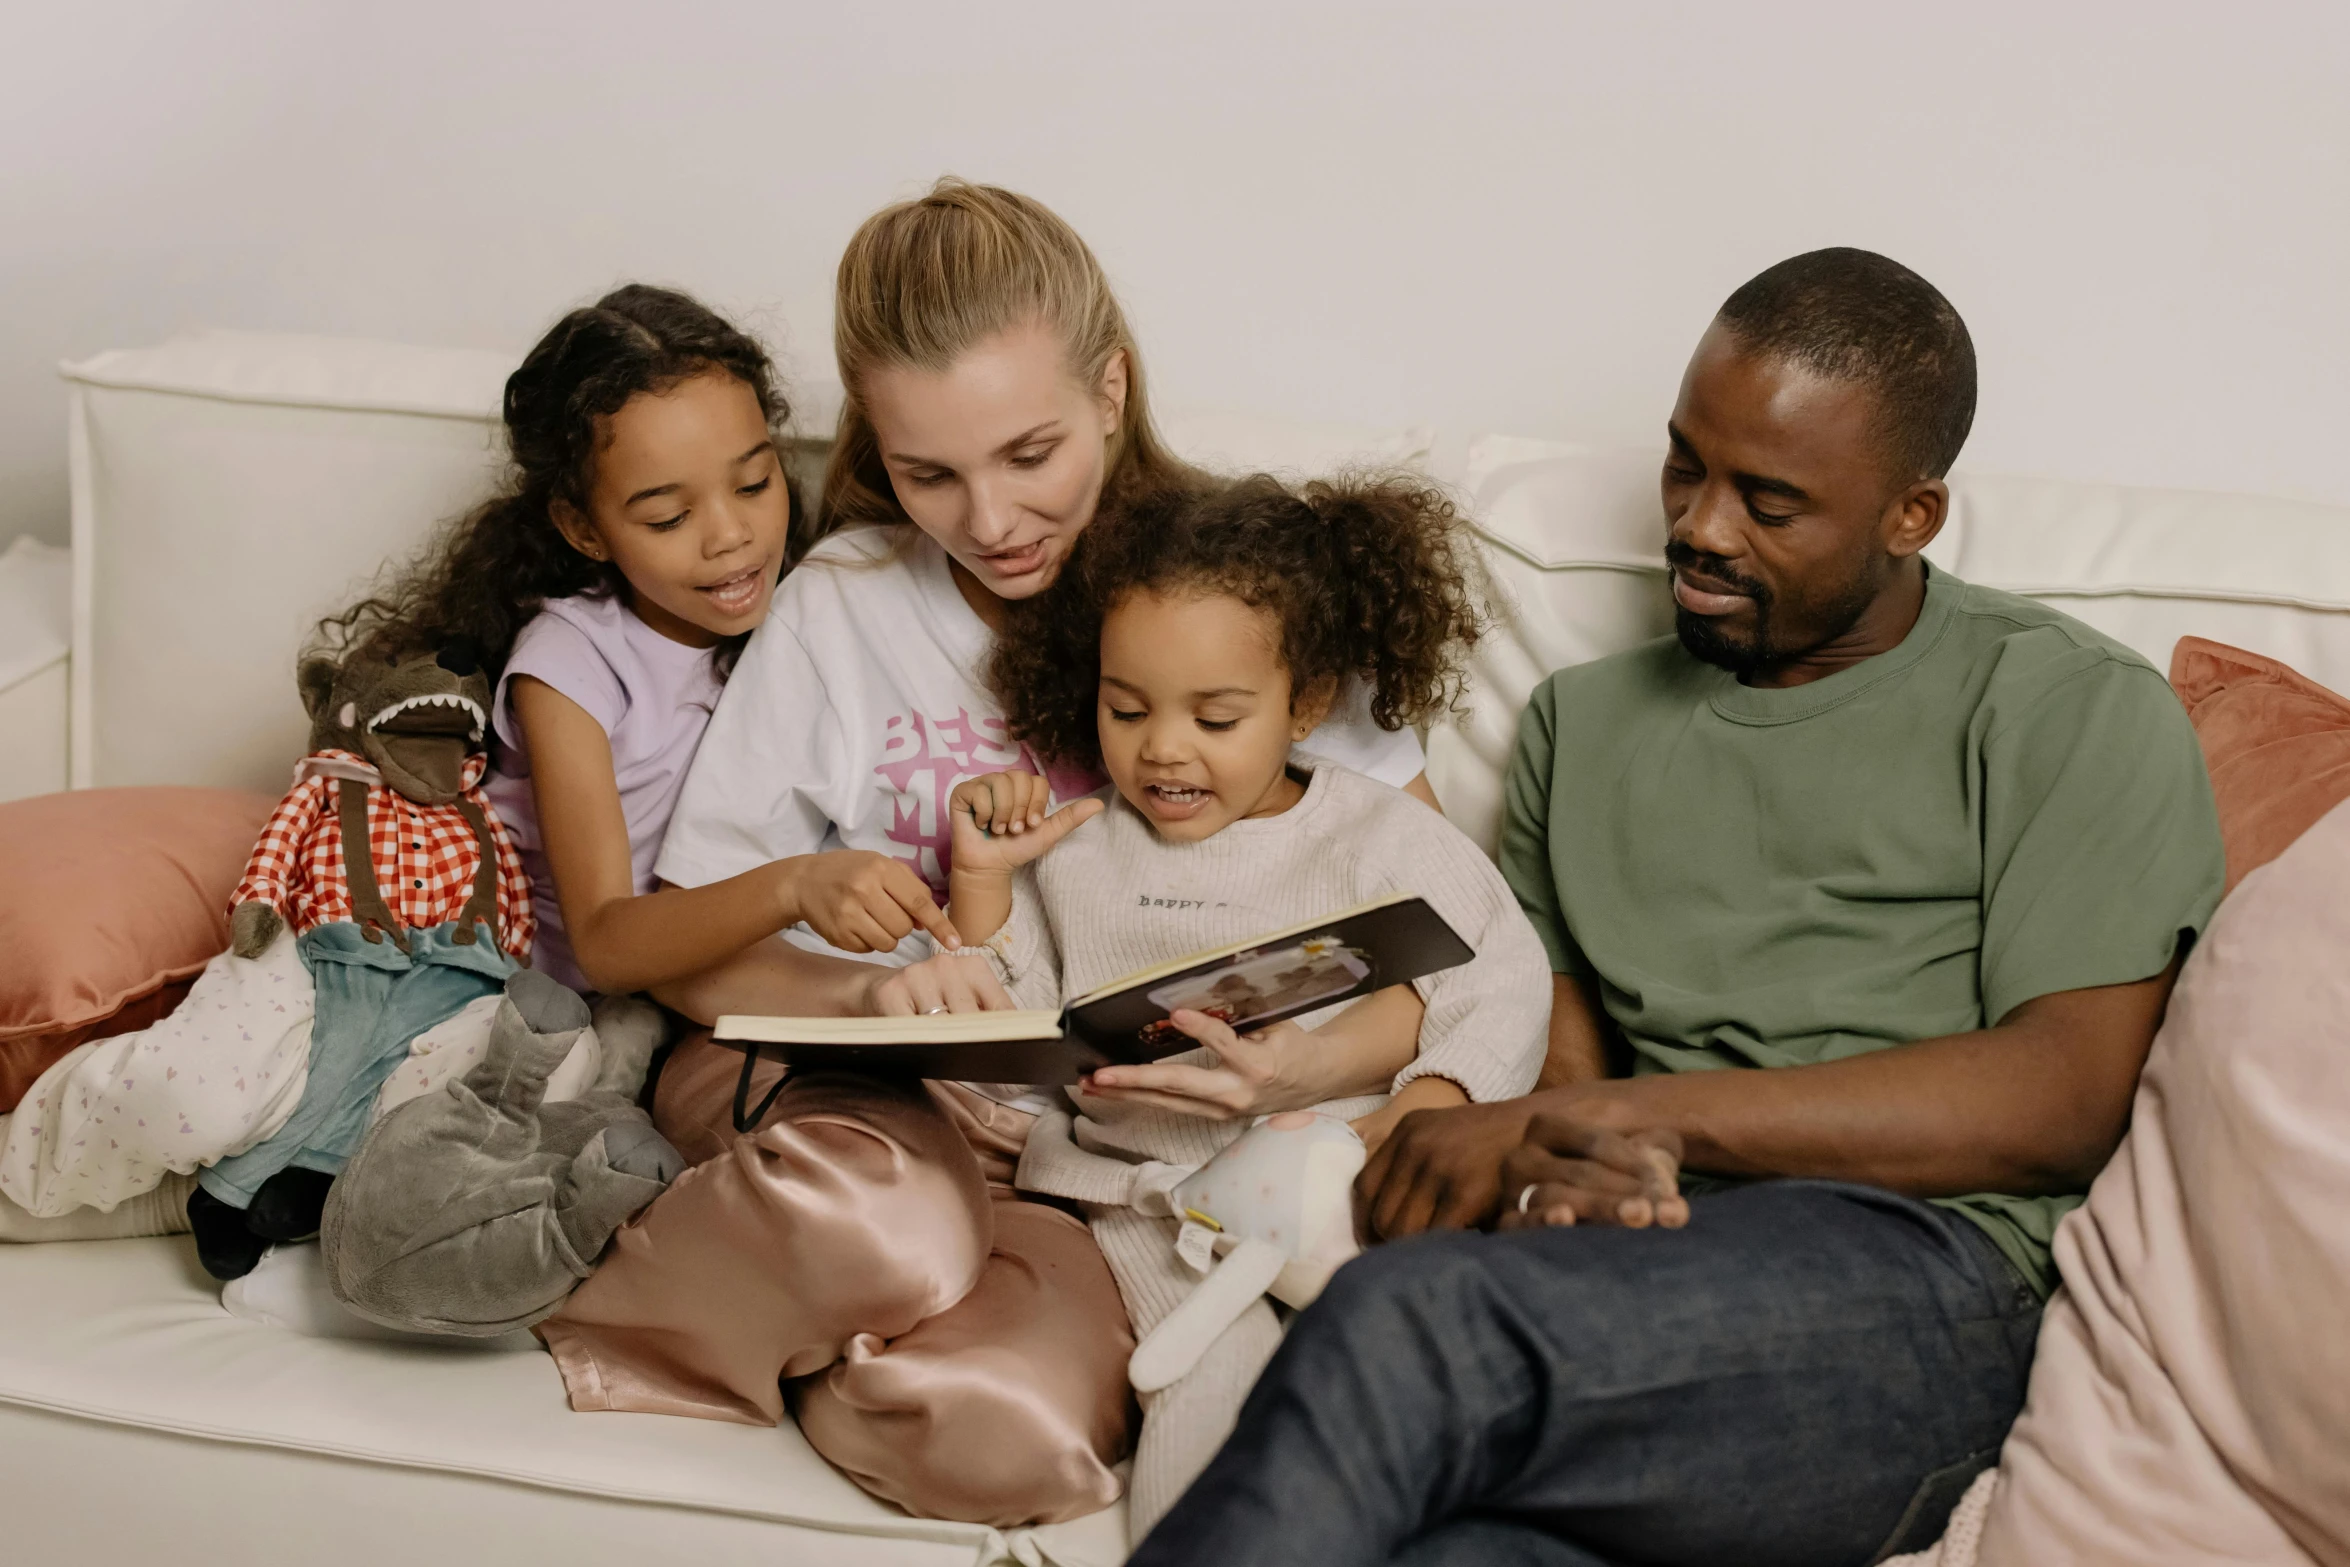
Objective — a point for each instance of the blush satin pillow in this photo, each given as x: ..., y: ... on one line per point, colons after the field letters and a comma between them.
x: 2277, y: 744
x: 111, y: 902
x: 2190, y: 1401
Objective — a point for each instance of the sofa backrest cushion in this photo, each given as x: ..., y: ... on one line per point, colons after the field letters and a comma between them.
x: 1575, y: 538
x: 230, y: 488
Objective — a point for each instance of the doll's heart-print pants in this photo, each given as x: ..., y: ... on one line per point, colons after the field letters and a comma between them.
x: 114, y: 1117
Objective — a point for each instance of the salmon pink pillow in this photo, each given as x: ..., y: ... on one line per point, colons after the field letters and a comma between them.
x: 2277, y: 744
x: 111, y: 902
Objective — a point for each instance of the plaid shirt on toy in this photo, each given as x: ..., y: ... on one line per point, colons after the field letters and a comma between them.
x: 425, y: 857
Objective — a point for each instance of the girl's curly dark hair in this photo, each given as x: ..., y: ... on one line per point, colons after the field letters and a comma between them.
x: 485, y: 575
x: 1368, y: 578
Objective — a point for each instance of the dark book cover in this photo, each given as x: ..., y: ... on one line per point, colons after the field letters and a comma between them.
x: 1249, y: 986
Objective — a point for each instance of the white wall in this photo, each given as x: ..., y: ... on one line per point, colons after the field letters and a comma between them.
x: 1491, y: 216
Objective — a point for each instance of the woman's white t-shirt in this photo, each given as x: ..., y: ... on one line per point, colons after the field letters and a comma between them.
x: 857, y: 708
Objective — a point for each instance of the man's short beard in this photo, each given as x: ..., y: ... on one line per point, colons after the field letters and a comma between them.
x: 1702, y: 636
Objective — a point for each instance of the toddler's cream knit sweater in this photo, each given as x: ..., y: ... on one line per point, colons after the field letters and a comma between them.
x: 1114, y: 897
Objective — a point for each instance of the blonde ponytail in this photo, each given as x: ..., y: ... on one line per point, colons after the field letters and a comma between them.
x: 924, y: 281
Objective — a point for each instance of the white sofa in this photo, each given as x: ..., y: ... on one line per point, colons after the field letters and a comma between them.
x: 230, y: 488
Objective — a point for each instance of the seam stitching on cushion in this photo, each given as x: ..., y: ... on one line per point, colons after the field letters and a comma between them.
x: 938, y: 1532
x: 141, y: 992
x: 345, y: 404
x: 2026, y: 590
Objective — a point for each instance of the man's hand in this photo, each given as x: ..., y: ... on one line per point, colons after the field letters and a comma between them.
x: 1572, y: 1170
x: 1421, y: 1093
x: 1439, y: 1170
x: 1466, y: 1168
x: 858, y: 900
x: 999, y: 821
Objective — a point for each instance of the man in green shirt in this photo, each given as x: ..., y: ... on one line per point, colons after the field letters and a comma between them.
x: 1871, y: 886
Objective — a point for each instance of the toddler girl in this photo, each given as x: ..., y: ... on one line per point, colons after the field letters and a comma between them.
x: 1184, y: 653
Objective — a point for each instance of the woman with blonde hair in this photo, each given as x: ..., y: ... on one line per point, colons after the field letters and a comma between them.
x: 994, y: 406
x: 972, y: 1352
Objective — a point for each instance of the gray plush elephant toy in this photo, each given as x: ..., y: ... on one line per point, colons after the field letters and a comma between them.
x: 477, y: 1210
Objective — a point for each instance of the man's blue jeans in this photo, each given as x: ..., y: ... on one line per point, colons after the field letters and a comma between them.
x: 1810, y: 1373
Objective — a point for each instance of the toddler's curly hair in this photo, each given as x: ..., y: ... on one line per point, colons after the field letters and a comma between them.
x: 1368, y: 577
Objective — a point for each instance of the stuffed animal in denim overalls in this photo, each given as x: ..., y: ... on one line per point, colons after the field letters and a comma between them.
x: 407, y: 901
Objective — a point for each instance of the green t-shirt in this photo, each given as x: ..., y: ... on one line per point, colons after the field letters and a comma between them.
x: 2006, y: 805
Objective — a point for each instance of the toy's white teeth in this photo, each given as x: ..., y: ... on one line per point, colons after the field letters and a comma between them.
x: 464, y: 704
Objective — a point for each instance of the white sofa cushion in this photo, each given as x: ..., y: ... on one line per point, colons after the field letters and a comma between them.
x: 232, y: 487
x: 284, y: 368
x: 229, y: 489
x: 1575, y: 538
x: 1225, y: 442
x: 129, y: 1333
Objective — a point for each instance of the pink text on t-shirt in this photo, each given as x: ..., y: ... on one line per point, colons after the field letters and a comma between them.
x: 922, y: 759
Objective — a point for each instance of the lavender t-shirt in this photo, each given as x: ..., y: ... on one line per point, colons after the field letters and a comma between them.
x: 652, y: 696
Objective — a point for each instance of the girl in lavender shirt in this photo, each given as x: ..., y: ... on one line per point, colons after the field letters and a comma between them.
x: 611, y: 586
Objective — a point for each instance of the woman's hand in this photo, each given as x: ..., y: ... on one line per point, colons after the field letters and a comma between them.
x: 1279, y: 1067
x: 859, y: 901
x: 999, y: 821
x: 949, y: 982
x: 1571, y: 1170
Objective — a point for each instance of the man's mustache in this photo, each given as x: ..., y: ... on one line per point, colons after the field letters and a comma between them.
x: 1716, y: 571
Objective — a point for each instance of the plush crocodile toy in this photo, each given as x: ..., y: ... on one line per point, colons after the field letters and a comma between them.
x: 477, y: 1210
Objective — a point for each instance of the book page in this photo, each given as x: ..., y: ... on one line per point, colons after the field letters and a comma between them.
x: 942, y: 1028
x: 1209, y: 955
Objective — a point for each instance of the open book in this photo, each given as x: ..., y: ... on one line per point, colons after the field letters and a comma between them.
x: 1249, y: 984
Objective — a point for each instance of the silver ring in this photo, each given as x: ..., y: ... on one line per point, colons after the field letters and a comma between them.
x: 934, y: 1011
x: 1526, y: 1197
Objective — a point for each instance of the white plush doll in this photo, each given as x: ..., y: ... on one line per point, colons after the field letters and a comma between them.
x: 1276, y: 1207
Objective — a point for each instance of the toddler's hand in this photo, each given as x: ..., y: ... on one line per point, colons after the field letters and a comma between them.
x: 1000, y: 822
x: 861, y: 901
x: 1274, y: 1068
